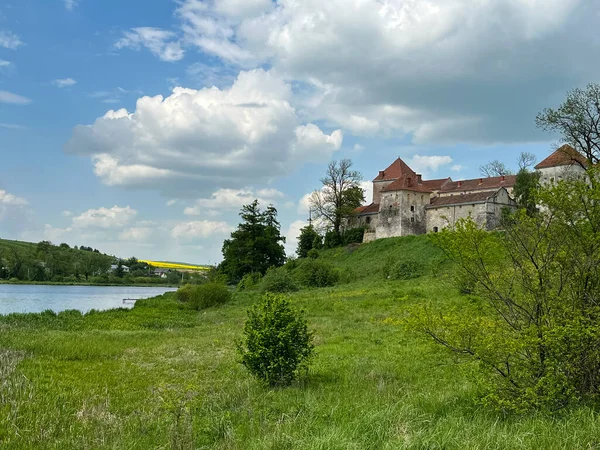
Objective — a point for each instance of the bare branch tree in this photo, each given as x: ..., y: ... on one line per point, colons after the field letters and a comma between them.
x: 526, y: 160
x: 494, y: 169
x: 340, y: 195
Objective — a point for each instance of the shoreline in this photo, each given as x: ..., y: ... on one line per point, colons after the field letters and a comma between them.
x: 70, y: 283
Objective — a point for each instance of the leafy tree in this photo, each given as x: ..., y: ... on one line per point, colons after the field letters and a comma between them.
x: 526, y: 185
x: 277, y: 343
x: 340, y: 195
x: 577, y: 120
x: 306, y: 241
x: 255, y: 246
x: 494, y: 169
x: 533, y: 324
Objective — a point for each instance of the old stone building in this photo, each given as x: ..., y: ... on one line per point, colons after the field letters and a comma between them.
x: 405, y: 204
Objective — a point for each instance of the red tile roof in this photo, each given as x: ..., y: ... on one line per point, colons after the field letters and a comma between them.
x: 394, y: 171
x: 475, y: 197
x: 373, y: 208
x: 564, y: 156
x: 407, y: 182
x: 479, y: 184
x: 436, y: 185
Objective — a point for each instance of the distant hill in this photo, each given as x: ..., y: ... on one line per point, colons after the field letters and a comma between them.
x: 43, y: 261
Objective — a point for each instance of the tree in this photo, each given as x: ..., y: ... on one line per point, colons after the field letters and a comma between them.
x: 526, y: 160
x: 494, y: 169
x: 340, y: 195
x: 306, y: 240
x: 255, y: 246
x: 533, y: 323
x: 577, y: 121
x: 526, y: 184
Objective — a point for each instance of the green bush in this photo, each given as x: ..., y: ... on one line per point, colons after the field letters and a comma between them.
x: 332, y: 240
x: 277, y: 343
x: 354, y: 236
x: 249, y: 281
x: 204, y: 295
x: 405, y: 270
x: 278, y: 280
x: 314, y: 273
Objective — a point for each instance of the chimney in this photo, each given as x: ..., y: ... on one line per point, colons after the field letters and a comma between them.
x: 409, y: 182
x: 419, y: 180
x: 459, y: 183
x: 481, y: 181
x: 503, y: 178
x: 381, y: 173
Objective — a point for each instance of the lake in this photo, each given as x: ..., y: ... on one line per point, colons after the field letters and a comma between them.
x: 37, y: 298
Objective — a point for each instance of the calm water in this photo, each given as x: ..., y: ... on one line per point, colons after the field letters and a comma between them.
x: 26, y: 298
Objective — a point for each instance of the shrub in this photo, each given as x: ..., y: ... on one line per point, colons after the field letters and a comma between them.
x: 204, y: 295
x: 354, y: 235
x: 404, y: 270
x: 277, y: 343
x: 249, y: 281
x: 313, y: 273
x: 278, y: 280
x: 332, y: 239
x: 313, y: 253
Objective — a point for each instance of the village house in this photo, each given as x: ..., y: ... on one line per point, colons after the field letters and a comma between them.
x: 404, y: 204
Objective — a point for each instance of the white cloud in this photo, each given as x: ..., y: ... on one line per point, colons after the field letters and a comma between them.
x: 457, y: 168
x: 358, y: 148
x: 64, y: 82
x: 160, y: 42
x: 232, y: 199
x: 425, y: 164
x: 67, y: 213
x: 137, y: 234
x: 12, y: 126
x: 200, y: 230
x: 9, y: 40
x: 291, y: 236
x: 115, y: 217
x: 9, y: 97
x: 4, y: 63
x: 368, y: 188
x: 8, y: 199
x: 195, y: 140
x: 70, y: 4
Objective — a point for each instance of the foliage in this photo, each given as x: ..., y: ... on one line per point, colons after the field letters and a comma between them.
x: 204, y: 295
x: 340, y: 194
x: 278, y: 279
x: 332, y: 239
x: 277, y: 343
x: 314, y: 273
x: 313, y: 254
x: 306, y: 241
x: 577, y: 120
x: 404, y: 270
x: 249, y: 281
x: 255, y: 246
x: 526, y: 185
x: 353, y: 235
x: 537, y: 337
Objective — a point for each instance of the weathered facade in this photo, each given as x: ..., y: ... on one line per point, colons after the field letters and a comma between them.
x: 404, y: 204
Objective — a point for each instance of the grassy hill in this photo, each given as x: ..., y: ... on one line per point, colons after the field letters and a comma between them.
x: 165, y: 376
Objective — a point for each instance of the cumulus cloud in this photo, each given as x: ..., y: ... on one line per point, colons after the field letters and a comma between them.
x: 115, y: 217
x: 374, y: 66
x: 291, y: 236
x: 425, y: 164
x: 200, y: 229
x: 64, y: 82
x: 195, y: 140
x: 232, y: 199
x: 9, y: 40
x: 4, y: 63
x: 9, y: 199
x: 160, y: 42
x: 15, y: 99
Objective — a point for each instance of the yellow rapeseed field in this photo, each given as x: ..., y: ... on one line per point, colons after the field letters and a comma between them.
x: 168, y: 265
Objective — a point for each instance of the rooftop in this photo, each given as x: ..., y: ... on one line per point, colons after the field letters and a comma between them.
x: 480, y: 184
x: 474, y: 197
x: 563, y: 156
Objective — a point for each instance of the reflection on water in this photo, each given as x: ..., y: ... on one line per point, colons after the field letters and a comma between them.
x: 37, y: 298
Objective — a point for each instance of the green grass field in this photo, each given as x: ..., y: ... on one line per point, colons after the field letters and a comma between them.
x: 162, y: 376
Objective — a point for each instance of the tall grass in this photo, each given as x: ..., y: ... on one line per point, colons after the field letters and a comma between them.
x: 165, y: 376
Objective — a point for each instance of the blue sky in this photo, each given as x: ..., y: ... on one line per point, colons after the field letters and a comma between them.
x: 257, y: 97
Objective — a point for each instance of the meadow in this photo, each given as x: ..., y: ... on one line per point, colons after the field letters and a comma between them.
x: 163, y: 376
x: 174, y: 265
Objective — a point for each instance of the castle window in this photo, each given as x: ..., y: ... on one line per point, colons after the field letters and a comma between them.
x: 435, y: 229
x: 412, y: 208
x: 412, y: 219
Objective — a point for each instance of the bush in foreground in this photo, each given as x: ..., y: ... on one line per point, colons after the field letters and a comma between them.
x: 277, y: 343
x: 204, y: 295
x: 403, y: 270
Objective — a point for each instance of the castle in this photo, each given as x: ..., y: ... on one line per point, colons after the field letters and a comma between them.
x: 405, y: 204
